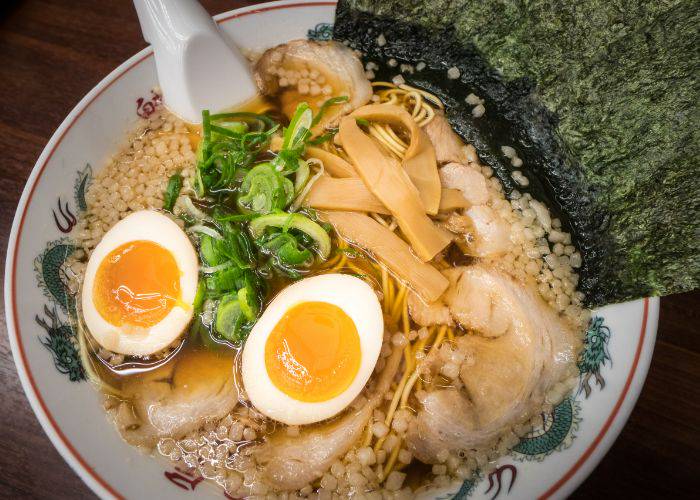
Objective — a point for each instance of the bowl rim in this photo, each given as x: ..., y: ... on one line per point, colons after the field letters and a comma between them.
x: 583, y: 466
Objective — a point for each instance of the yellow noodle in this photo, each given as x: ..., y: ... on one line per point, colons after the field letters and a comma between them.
x: 384, y: 137
x: 389, y: 130
x: 358, y: 270
x: 399, y: 300
x: 397, y: 309
x: 421, y: 117
x: 378, y: 218
x: 431, y: 97
x: 409, y: 386
x: 399, y: 390
x: 430, y: 114
x: 438, y: 339
x: 394, y: 91
x: 379, y: 443
x: 383, y: 84
x: 331, y: 262
x: 407, y: 356
x: 426, y: 341
x: 404, y: 317
x: 368, y: 435
x: 392, y: 407
x: 374, y: 132
x: 390, y: 293
x: 341, y: 264
x: 414, y: 377
x: 385, y: 280
x: 417, y: 102
x: 392, y: 459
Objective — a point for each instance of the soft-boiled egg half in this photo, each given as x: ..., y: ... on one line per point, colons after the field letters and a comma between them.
x: 140, y: 284
x: 313, y: 349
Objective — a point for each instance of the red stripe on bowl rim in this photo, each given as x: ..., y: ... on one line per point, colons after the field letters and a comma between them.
x: 85, y: 471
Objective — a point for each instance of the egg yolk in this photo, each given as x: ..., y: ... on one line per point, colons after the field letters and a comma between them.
x: 313, y: 353
x: 137, y: 284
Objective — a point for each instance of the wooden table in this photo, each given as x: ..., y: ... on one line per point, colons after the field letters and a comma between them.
x: 52, y: 52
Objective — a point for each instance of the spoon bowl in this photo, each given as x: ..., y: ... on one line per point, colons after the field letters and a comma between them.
x: 198, y: 66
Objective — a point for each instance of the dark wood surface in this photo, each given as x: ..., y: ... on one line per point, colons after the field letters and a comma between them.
x: 54, y: 51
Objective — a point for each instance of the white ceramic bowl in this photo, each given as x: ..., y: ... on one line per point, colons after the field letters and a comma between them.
x: 549, y: 463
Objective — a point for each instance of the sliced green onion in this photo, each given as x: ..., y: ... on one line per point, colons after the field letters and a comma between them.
x: 300, y: 197
x: 296, y: 221
x: 225, y: 131
x: 236, y: 217
x: 327, y: 136
x: 324, y: 107
x: 264, y: 190
x: 246, y: 300
x: 198, y: 301
x: 202, y: 229
x: 229, y: 318
x: 215, y: 269
x: 194, y: 211
x: 236, y: 127
x: 235, y: 247
x: 172, y: 191
x: 224, y: 281
x: 263, y: 121
x: 301, y: 176
x: 198, y: 184
x: 208, y: 251
x: 299, y: 127
x: 287, y: 250
x: 200, y: 151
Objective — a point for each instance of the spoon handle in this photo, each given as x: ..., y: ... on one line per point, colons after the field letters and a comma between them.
x: 167, y: 23
x: 198, y: 66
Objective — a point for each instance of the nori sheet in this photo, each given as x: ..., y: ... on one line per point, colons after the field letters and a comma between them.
x: 599, y: 98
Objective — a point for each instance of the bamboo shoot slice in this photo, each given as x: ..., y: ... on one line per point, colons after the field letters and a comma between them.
x: 333, y: 164
x: 350, y: 193
x: 390, y: 183
x: 419, y: 160
x: 390, y: 250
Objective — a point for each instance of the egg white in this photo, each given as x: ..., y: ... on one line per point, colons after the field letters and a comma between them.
x: 156, y: 227
x: 357, y: 299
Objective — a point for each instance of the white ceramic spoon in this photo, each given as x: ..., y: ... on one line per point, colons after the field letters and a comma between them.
x: 198, y: 67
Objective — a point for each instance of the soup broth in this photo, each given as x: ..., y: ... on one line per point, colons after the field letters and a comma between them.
x: 458, y: 376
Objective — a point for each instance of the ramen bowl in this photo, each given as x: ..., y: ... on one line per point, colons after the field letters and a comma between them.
x: 551, y: 461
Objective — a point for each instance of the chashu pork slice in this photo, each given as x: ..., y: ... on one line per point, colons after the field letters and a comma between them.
x: 312, y: 72
x: 519, y: 349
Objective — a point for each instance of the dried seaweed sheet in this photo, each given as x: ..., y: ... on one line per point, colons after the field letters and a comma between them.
x: 598, y: 97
